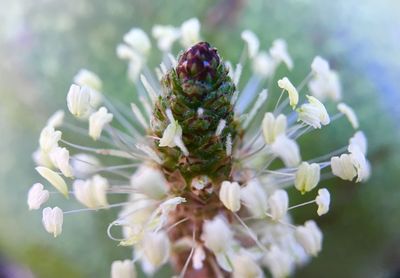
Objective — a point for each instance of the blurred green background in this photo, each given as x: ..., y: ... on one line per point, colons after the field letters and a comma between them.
x: 43, y: 43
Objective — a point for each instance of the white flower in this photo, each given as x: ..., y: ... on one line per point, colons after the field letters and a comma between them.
x: 273, y: 127
x: 37, y: 196
x: 245, y: 267
x: 320, y: 66
x: 88, y: 78
x: 93, y: 192
x: 156, y: 248
x: 349, y: 113
x: 229, y: 194
x: 97, y: 121
x: 150, y: 182
x: 165, y: 36
x: 279, y: 53
x: 198, y: 257
x: 138, y: 40
x: 313, y: 113
x: 326, y: 86
x: 84, y: 165
x: 190, y: 32
x: 172, y: 136
x: 263, y: 65
x: 279, y: 262
x: 285, y: 84
x: 307, y: 177
x: 343, y: 167
x: 123, y: 269
x: 287, y: 149
x: 252, y: 42
x: 359, y: 140
x: 323, y: 201
x: 54, y: 179
x: 52, y: 220
x: 255, y: 198
x: 56, y: 119
x: 278, y: 204
x: 78, y: 100
x: 310, y: 237
x: 49, y: 138
x: 60, y: 158
x: 217, y: 235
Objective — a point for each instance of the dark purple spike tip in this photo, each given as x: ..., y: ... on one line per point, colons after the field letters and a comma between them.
x: 200, y: 63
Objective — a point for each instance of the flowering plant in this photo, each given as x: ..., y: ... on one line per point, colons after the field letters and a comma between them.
x: 206, y: 177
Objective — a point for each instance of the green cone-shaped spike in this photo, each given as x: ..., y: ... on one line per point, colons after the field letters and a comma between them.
x: 198, y: 92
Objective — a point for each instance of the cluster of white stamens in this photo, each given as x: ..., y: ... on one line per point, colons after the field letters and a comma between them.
x: 256, y: 195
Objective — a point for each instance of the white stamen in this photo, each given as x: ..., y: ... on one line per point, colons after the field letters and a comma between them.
x: 54, y: 179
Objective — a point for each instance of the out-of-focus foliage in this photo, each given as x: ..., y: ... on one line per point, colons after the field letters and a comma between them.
x: 43, y: 43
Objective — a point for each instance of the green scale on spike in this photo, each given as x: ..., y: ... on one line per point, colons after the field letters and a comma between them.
x: 199, y: 81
